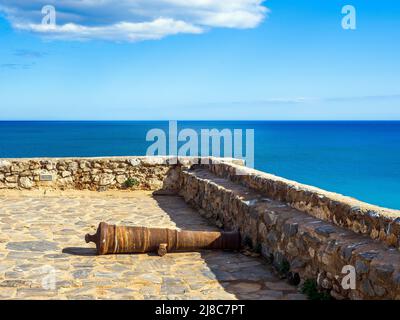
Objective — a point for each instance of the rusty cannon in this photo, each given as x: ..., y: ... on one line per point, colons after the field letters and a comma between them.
x: 123, y: 239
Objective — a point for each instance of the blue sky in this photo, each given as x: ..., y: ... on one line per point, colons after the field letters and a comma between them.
x: 200, y: 60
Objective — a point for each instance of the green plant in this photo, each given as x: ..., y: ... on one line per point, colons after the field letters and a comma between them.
x: 131, y: 182
x: 284, y: 267
x: 310, y: 289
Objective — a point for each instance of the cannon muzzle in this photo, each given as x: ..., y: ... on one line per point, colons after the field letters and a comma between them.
x: 122, y: 239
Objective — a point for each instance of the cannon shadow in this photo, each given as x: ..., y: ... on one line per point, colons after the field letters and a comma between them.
x: 182, y: 214
x: 80, y: 251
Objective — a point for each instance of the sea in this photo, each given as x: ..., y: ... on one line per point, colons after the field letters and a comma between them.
x: 360, y: 159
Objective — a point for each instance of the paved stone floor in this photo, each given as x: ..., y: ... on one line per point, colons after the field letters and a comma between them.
x: 43, y: 254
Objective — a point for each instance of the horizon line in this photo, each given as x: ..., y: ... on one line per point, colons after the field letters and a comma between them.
x: 201, y: 120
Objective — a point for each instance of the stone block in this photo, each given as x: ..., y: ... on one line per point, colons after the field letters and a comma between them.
x: 26, y: 183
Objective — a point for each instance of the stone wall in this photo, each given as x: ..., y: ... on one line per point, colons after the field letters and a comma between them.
x: 376, y: 222
x: 289, y: 238
x: 150, y: 173
x: 100, y: 173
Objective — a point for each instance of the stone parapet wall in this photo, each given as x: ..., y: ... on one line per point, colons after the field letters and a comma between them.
x: 308, y: 246
x: 376, y: 222
x: 100, y: 173
x: 149, y: 173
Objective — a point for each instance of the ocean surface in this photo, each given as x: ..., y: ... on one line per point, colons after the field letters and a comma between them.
x: 358, y: 159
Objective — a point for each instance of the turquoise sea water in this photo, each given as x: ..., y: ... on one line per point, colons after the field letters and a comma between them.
x: 359, y: 159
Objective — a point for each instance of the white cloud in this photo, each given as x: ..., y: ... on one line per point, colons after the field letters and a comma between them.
x: 155, y: 29
x: 132, y: 20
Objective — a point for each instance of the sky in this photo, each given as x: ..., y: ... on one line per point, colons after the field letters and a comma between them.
x: 199, y: 60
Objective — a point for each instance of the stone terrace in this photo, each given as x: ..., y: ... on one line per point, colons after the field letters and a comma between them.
x: 311, y: 233
x: 41, y: 234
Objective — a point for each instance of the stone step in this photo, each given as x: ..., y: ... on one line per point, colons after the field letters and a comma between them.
x: 314, y: 248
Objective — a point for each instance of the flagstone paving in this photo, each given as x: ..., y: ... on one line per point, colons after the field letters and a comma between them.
x: 43, y: 254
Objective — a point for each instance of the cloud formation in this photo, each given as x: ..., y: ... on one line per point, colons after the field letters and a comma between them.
x: 132, y: 20
x: 30, y: 54
x: 315, y: 100
x: 16, y: 66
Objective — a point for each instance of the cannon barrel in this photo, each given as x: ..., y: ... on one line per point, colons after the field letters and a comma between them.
x: 123, y: 239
